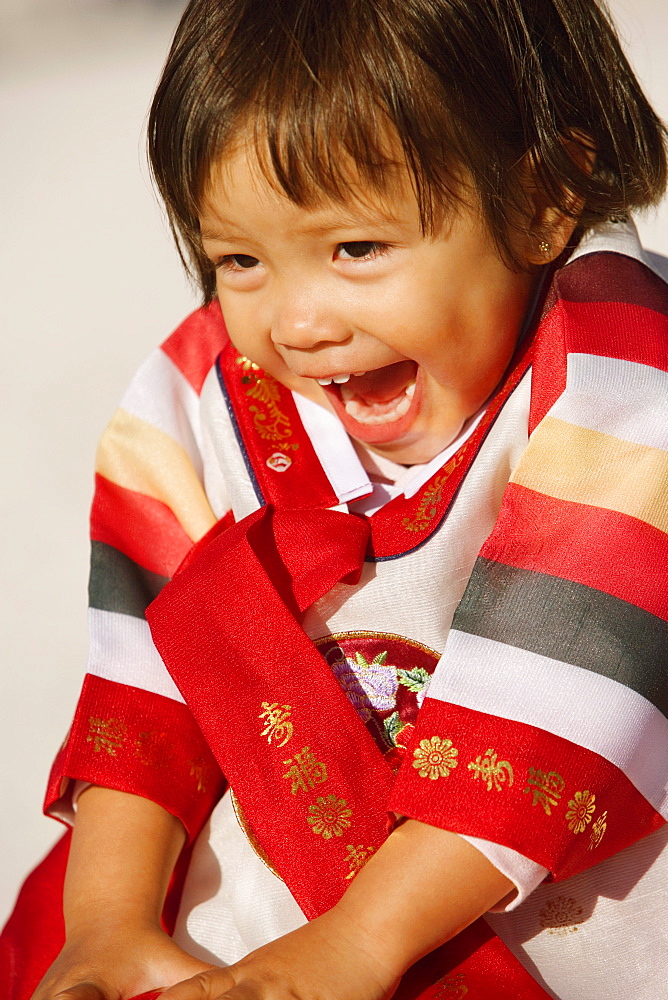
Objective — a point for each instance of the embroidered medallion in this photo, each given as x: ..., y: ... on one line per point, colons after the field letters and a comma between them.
x: 279, y: 462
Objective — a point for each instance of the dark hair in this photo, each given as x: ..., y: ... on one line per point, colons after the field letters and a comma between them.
x: 472, y: 84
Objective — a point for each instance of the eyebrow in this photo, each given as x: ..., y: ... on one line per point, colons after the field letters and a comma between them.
x: 361, y: 221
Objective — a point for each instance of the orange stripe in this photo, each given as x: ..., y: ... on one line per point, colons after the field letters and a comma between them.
x: 574, y: 463
x: 138, y: 457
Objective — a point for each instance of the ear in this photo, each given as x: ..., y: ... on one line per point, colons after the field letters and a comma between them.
x: 548, y: 226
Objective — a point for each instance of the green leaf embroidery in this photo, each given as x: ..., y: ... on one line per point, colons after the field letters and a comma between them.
x: 380, y: 659
x: 415, y: 680
x: 393, y: 726
x: 361, y: 661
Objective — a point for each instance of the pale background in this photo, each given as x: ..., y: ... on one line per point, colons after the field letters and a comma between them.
x: 88, y: 284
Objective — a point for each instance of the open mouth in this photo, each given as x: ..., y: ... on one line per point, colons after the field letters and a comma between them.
x: 378, y: 406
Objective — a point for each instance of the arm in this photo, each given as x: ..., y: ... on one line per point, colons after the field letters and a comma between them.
x: 421, y: 888
x: 124, y: 849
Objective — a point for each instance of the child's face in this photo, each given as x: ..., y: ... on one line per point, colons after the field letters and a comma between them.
x: 318, y: 293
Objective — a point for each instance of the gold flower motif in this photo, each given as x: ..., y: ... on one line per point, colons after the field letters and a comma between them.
x: 561, y: 915
x: 435, y: 758
x: 329, y: 816
x: 580, y: 811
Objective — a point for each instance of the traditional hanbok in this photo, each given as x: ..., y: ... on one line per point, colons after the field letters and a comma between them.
x: 294, y: 644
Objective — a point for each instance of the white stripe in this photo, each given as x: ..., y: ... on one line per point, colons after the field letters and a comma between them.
x: 613, y: 396
x: 161, y: 395
x: 578, y: 705
x: 122, y: 650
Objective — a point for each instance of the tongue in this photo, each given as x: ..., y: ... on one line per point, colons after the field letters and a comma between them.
x: 382, y: 385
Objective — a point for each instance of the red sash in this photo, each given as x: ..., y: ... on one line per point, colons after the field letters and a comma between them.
x: 312, y: 795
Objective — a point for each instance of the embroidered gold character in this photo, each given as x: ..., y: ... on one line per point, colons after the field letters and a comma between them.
x: 199, y: 770
x: 581, y: 808
x: 277, y: 725
x: 451, y: 987
x: 435, y: 758
x: 329, y: 816
x: 357, y: 858
x: 305, y: 771
x: 154, y: 748
x: 598, y: 831
x: 106, y: 734
x: 546, y: 788
x: 494, y: 772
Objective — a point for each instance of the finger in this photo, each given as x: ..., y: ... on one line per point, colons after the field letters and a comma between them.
x: 82, y: 991
x: 208, y: 985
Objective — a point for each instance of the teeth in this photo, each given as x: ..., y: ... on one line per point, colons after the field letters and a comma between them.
x: 410, y: 390
x: 340, y: 379
x: 324, y: 381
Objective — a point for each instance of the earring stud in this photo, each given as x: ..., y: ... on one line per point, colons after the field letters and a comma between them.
x: 544, y: 247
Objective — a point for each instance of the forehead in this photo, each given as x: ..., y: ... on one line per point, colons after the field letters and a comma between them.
x: 243, y: 180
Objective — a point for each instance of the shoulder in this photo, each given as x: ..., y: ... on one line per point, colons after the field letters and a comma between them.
x: 196, y: 343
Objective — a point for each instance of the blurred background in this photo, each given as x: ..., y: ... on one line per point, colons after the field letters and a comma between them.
x: 89, y: 283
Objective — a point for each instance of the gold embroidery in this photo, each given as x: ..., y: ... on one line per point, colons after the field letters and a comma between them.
x: 492, y: 771
x: 451, y: 987
x: 106, y: 734
x: 199, y: 770
x: 580, y: 811
x: 329, y: 816
x: 428, y: 506
x: 268, y: 419
x: 154, y: 749
x: 598, y: 831
x: 306, y: 772
x: 435, y: 758
x: 546, y: 787
x: 357, y: 858
x: 561, y: 915
x: 277, y: 727
x: 247, y: 364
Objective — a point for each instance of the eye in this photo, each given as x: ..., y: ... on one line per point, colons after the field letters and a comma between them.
x: 237, y: 262
x: 360, y: 249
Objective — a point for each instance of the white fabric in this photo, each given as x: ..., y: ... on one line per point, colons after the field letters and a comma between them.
x: 602, y: 394
x: 122, y: 650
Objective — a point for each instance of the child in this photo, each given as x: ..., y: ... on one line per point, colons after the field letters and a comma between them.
x: 428, y: 437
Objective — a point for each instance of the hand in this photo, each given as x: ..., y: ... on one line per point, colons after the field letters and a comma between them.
x: 327, y: 959
x: 116, y: 964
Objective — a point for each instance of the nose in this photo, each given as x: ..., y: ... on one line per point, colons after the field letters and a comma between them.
x: 303, y: 320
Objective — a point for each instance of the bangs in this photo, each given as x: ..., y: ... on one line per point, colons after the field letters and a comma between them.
x: 334, y: 94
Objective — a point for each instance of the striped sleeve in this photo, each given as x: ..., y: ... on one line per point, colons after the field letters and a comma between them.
x: 132, y: 730
x: 545, y: 726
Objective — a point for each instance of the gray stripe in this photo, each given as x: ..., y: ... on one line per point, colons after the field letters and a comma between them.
x: 118, y: 584
x: 569, y: 622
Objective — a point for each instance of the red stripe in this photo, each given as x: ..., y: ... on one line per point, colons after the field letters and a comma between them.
x: 144, y: 529
x: 196, y: 343
x: 548, y: 372
x: 510, y: 814
x: 611, y: 552
x: 135, y: 741
x: 616, y: 330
